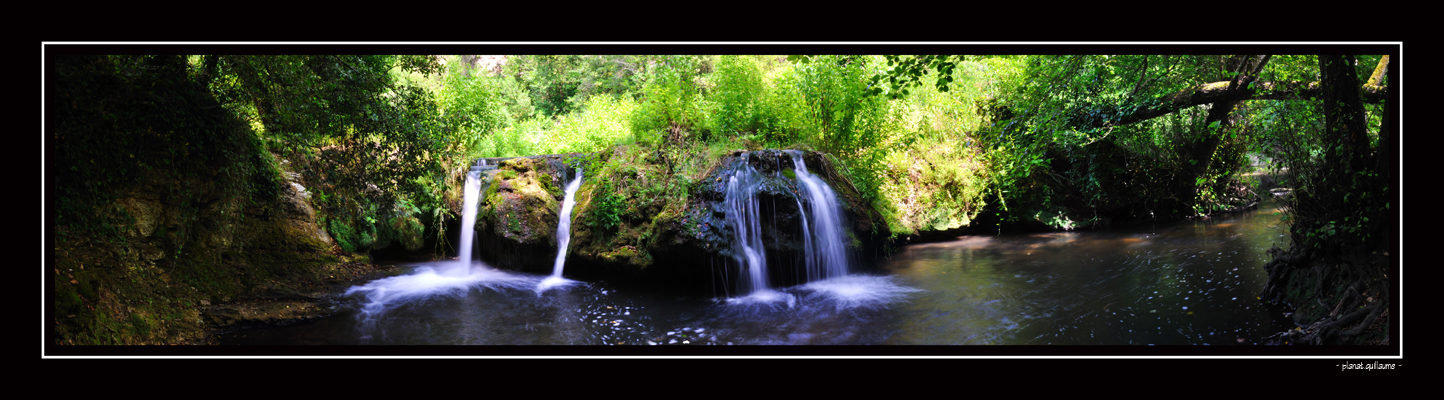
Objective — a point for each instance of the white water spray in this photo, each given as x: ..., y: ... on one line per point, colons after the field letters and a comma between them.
x: 742, y: 213
x: 469, y: 198
x: 564, y: 235
x: 824, y: 241
x: 826, y: 252
x: 428, y: 280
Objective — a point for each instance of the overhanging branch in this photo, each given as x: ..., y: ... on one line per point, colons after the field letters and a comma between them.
x: 1211, y: 93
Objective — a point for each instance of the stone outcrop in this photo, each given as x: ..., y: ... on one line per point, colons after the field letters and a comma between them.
x: 680, y: 239
x: 517, y: 214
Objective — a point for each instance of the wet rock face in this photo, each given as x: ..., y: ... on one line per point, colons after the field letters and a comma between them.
x: 781, y: 203
x: 681, y: 240
x: 517, y: 215
x: 780, y: 186
x: 772, y: 183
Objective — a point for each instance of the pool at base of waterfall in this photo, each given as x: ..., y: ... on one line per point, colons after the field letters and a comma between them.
x: 1177, y: 283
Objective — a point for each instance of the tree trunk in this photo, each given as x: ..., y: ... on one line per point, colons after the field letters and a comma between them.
x: 1388, y: 158
x: 1338, y: 286
x: 1218, y: 123
x: 1344, y: 112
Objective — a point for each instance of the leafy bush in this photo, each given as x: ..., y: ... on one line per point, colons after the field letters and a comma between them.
x: 561, y: 84
x: 472, y: 104
x: 672, y: 102
x: 602, y: 122
x: 738, y: 93
x: 782, y: 115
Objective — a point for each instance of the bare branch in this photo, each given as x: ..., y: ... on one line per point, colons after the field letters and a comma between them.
x: 1141, y: 75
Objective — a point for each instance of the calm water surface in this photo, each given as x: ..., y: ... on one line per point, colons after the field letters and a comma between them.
x: 1185, y: 283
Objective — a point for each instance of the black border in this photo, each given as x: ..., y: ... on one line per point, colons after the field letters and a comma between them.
x: 1391, y: 353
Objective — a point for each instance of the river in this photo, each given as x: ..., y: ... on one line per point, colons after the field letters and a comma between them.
x: 1175, y: 283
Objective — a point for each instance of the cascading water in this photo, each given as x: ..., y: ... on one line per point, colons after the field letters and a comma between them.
x: 564, y: 235
x: 470, y: 196
x: 445, y: 278
x: 743, y: 215
x: 826, y: 252
x: 564, y: 223
x: 826, y: 248
x: 824, y: 243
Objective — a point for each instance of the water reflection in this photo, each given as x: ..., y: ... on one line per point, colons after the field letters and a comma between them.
x: 1190, y: 283
x: 1185, y: 283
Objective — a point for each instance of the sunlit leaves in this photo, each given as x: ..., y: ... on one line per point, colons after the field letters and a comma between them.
x: 906, y: 72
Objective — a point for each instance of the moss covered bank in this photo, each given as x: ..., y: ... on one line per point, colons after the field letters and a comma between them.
x: 168, y: 218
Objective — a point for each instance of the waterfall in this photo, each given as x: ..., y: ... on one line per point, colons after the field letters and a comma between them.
x: 824, y: 243
x: 442, y: 278
x: 469, y: 198
x: 564, y: 235
x: 743, y: 215
x: 826, y: 246
x: 564, y: 224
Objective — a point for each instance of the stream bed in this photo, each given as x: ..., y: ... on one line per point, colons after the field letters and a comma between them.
x: 1176, y: 283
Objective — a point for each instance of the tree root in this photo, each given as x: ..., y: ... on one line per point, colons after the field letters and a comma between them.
x: 1328, y: 331
x: 1368, y: 302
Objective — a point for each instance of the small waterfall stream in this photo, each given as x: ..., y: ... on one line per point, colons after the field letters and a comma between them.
x: 826, y: 248
x: 437, y: 279
x: 743, y: 216
x: 470, y: 196
x: 564, y: 235
x: 824, y: 244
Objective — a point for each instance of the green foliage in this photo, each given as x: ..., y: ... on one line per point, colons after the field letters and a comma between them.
x: 672, y: 102
x: 739, y: 89
x: 1334, y: 208
x: 120, y: 122
x: 369, y: 140
x: 824, y: 102
x: 849, y: 119
x: 403, y: 228
x: 472, y: 104
x: 934, y: 176
x: 905, y: 72
x: 343, y: 235
x: 1052, y: 127
x: 782, y: 114
x: 607, y: 209
x: 551, y: 81
x: 560, y: 84
x: 601, y: 122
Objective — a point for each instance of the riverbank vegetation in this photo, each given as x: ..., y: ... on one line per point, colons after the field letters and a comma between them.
x: 375, y: 147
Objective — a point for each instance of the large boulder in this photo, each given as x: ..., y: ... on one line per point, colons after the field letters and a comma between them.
x: 684, y: 240
x: 517, y: 214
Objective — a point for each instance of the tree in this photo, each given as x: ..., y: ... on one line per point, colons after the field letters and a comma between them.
x: 1333, y: 272
x: 371, y: 140
x: 1309, y: 112
x: 1081, y: 100
x: 906, y: 72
